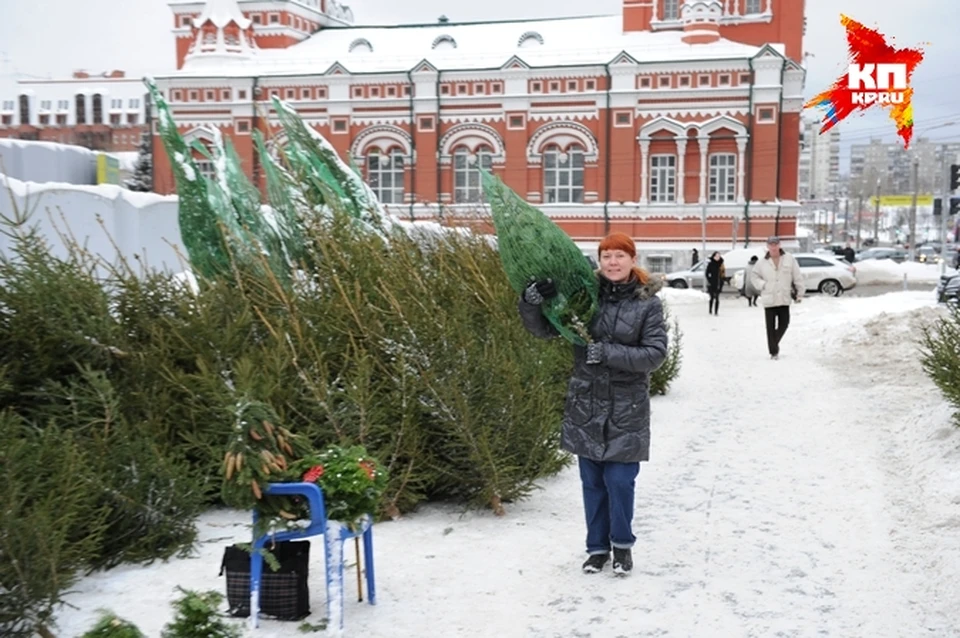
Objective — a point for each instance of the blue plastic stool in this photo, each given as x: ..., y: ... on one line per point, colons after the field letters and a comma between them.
x: 335, y: 535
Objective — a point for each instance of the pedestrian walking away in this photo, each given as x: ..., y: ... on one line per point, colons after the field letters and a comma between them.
x: 695, y: 259
x: 779, y: 279
x: 606, y: 420
x: 749, y: 290
x: 716, y: 272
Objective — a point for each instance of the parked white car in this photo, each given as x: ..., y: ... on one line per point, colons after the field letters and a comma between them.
x: 821, y: 273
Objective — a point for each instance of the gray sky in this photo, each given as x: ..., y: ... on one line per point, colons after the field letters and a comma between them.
x: 46, y: 38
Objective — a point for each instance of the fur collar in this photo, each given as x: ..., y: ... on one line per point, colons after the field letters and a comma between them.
x: 631, y: 288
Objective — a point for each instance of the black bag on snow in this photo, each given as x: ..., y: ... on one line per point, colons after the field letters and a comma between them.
x: 284, y: 594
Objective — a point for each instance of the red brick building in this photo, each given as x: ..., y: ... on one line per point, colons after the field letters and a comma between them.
x: 671, y: 119
x: 105, y: 112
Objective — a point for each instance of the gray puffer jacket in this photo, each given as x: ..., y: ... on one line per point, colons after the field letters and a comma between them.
x: 607, y: 412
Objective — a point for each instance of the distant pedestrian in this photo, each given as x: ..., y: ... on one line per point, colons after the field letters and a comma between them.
x: 956, y: 259
x: 751, y: 292
x: 695, y: 259
x: 779, y: 279
x: 715, y: 276
x: 849, y: 253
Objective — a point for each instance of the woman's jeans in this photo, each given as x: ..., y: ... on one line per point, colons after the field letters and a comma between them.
x: 608, y: 490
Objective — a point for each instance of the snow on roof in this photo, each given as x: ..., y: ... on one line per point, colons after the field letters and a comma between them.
x: 589, y: 40
x: 221, y: 13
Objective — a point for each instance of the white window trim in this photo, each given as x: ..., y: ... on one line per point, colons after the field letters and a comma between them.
x: 772, y: 120
x: 671, y: 195
x: 709, y: 81
x: 568, y: 169
x: 731, y: 178
x: 333, y: 127
x: 470, y: 188
x: 433, y: 123
x: 688, y: 85
x: 617, y: 114
x: 397, y: 193
x: 660, y: 84
x: 521, y: 127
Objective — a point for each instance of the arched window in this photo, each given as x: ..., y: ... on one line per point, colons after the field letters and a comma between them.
x: 24, y: 110
x: 467, y: 188
x: 444, y: 42
x: 385, y: 174
x: 97, y: 109
x: 563, y: 174
x: 530, y: 39
x: 361, y: 45
x: 81, y: 106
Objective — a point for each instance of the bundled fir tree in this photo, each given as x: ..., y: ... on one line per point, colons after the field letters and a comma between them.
x: 112, y: 626
x: 940, y: 356
x: 142, y: 180
x: 197, y: 617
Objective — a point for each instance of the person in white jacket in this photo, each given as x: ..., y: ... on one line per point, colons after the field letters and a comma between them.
x: 778, y: 278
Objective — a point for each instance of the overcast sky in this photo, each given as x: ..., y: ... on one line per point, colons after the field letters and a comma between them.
x: 44, y: 38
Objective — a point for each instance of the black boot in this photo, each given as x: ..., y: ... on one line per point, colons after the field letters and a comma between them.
x: 595, y: 563
x: 622, y: 561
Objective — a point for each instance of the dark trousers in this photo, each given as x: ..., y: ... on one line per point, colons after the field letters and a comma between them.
x: 714, y: 301
x: 778, y: 320
x: 608, y: 490
x: 752, y: 301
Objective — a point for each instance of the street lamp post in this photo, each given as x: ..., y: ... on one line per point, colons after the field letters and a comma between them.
x: 916, y: 190
x: 945, y: 208
x: 876, y: 216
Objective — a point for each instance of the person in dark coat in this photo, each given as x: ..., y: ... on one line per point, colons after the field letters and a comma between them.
x: 715, y: 274
x: 695, y: 259
x: 849, y: 253
x: 606, y: 421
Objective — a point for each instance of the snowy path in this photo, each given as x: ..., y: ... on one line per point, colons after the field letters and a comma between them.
x: 776, y: 504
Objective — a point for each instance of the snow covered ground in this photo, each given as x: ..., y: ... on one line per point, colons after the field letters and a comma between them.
x: 817, y: 495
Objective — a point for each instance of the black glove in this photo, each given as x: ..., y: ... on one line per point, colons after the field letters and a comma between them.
x: 539, y: 291
x: 594, y: 353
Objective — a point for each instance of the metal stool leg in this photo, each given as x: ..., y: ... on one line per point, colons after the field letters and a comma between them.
x: 368, y: 559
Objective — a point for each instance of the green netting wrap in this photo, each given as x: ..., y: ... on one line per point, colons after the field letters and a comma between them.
x: 533, y: 248
x: 316, y: 161
x: 286, y: 200
x: 198, y: 227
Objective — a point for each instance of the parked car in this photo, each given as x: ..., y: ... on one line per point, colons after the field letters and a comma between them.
x: 898, y: 255
x: 821, y: 273
x: 948, y: 290
x: 734, y: 261
x: 689, y: 278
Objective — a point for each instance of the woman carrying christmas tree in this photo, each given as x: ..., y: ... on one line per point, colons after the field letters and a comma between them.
x: 606, y: 420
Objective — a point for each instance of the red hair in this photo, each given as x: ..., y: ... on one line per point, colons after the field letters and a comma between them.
x: 624, y: 242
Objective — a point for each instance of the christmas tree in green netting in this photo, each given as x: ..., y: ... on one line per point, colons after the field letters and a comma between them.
x: 312, y: 160
x: 533, y: 248
x: 222, y: 217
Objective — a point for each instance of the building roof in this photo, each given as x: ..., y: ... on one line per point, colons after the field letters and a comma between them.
x: 555, y: 42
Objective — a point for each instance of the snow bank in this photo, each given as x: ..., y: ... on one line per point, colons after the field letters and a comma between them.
x: 888, y: 272
x: 830, y: 322
x: 110, y: 221
x: 683, y: 296
x: 48, y: 162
